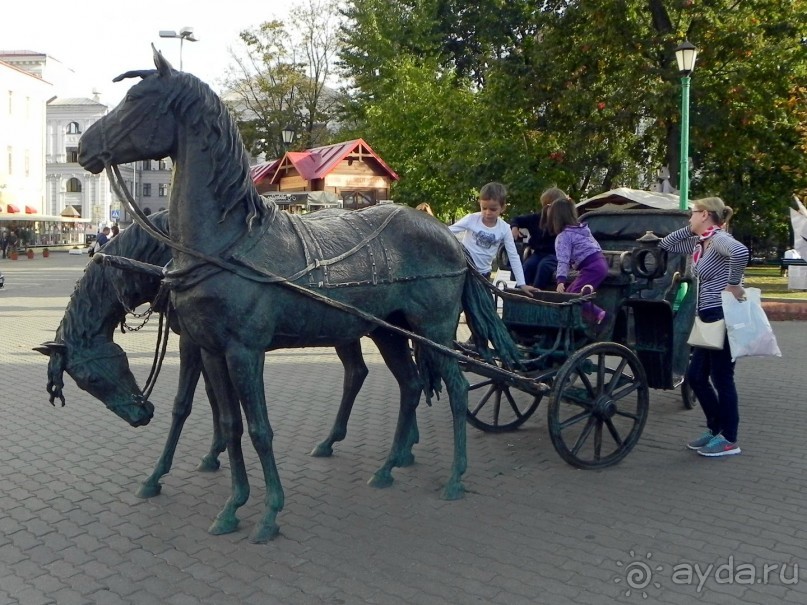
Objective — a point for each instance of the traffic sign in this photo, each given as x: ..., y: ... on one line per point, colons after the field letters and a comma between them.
x: 114, y: 215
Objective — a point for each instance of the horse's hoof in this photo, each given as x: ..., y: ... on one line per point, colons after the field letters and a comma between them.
x: 149, y: 490
x: 406, y: 460
x: 453, y: 492
x: 323, y: 450
x: 380, y: 479
x: 223, y: 526
x: 208, y: 464
x: 263, y: 533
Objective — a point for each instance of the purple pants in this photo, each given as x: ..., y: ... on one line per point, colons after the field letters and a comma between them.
x: 592, y: 272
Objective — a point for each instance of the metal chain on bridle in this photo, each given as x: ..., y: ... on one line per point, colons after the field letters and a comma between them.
x: 163, y: 330
x: 145, y: 315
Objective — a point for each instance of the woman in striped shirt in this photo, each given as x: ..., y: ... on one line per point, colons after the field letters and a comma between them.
x: 718, y: 261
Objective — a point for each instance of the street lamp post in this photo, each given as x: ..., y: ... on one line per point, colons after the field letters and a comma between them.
x: 288, y: 135
x: 186, y: 33
x: 685, y: 56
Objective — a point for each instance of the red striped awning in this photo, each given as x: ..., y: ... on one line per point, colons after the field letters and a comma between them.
x: 11, y: 209
x: 31, y: 210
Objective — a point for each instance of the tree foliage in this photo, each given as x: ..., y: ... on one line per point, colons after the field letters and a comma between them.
x: 582, y: 95
x: 279, y: 77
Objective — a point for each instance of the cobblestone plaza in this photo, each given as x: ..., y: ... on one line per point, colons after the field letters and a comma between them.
x: 663, y: 526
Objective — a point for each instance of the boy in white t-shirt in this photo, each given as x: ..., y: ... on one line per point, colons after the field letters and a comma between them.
x: 485, y: 231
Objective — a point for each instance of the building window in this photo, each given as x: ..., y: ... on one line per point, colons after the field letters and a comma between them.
x: 73, y: 128
x: 10, y: 160
x: 10, y: 102
x: 163, y: 189
x: 163, y: 165
x: 72, y: 155
x: 27, y: 166
x: 146, y: 189
x: 73, y: 185
x: 146, y: 164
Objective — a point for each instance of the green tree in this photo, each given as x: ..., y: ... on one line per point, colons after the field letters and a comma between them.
x: 280, y: 77
x: 418, y: 126
x: 586, y: 95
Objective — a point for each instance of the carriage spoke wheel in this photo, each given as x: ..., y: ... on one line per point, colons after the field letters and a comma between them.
x: 598, y: 405
x: 495, y: 406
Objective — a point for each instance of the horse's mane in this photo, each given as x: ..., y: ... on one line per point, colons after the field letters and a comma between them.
x: 95, y: 302
x: 204, y: 111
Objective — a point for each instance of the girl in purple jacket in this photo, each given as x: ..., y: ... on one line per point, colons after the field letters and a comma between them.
x: 576, y: 247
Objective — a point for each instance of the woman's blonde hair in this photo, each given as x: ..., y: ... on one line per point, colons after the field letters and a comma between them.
x: 717, y: 209
x: 547, y: 198
x: 552, y: 194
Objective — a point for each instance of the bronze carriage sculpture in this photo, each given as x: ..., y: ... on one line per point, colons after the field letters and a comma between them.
x: 596, y: 379
x: 391, y: 288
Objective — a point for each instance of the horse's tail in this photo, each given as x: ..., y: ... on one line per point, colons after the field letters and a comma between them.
x: 483, y: 320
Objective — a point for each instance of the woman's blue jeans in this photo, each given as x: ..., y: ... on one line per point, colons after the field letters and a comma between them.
x: 711, y: 376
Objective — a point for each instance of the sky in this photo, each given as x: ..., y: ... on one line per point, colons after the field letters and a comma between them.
x: 99, y: 39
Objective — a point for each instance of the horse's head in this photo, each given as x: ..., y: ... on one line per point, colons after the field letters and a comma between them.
x: 103, y: 371
x: 141, y: 127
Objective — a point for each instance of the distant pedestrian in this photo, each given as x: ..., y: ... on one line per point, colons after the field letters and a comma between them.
x: 12, y: 242
x: 101, y: 239
x: 424, y: 207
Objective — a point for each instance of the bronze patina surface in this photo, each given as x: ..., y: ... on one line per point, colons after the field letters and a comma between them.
x: 245, y: 276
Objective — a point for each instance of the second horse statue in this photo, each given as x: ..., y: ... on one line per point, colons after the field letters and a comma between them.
x: 248, y: 277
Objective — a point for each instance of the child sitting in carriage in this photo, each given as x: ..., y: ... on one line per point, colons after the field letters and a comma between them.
x: 576, y: 247
x: 485, y: 231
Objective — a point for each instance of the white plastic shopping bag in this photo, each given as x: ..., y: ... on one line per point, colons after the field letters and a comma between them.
x: 749, y: 332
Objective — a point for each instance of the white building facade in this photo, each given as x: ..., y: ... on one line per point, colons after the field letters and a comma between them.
x: 39, y: 137
x: 68, y: 184
x: 23, y: 99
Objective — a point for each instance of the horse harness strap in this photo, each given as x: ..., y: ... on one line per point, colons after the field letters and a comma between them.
x: 313, y: 253
x: 174, y: 278
x: 260, y: 274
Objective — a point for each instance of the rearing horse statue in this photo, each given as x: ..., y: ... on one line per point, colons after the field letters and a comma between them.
x: 248, y: 277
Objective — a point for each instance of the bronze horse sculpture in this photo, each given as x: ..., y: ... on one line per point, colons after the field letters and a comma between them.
x: 247, y: 277
x: 84, y: 348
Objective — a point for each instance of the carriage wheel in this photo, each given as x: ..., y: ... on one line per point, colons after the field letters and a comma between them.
x: 496, y: 407
x: 598, y: 405
x: 688, y: 395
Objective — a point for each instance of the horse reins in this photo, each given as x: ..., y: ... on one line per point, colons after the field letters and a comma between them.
x: 265, y: 276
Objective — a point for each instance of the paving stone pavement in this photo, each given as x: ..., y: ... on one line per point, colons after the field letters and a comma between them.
x: 663, y: 526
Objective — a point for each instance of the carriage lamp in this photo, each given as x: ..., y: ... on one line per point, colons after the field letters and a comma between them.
x: 648, y: 260
x: 288, y: 134
x: 186, y: 33
x: 685, y: 56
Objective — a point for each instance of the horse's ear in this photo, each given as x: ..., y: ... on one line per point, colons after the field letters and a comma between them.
x: 161, y: 63
x: 137, y: 73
